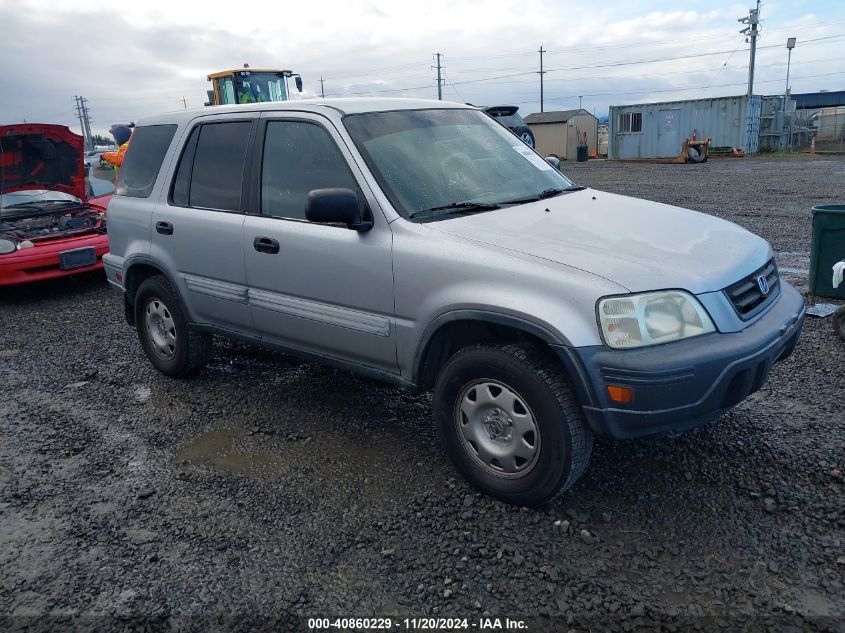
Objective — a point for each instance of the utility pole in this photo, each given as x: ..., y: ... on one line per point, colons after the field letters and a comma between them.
x: 579, y: 101
x: 185, y: 102
x: 84, y: 120
x: 542, y: 72
x: 322, y: 91
x: 790, y: 44
x: 439, y: 81
x: 87, y: 120
x: 751, y: 31
x: 79, y: 113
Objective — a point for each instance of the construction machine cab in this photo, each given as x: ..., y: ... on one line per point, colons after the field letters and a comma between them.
x: 247, y: 85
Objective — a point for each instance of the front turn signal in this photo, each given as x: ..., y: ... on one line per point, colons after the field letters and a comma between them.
x: 623, y: 395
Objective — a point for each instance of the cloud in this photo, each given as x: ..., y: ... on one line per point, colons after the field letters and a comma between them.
x: 132, y: 60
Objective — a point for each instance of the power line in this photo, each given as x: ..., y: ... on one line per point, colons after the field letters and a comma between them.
x: 568, y: 50
x: 662, y: 90
x: 457, y: 92
x: 570, y: 80
x: 723, y: 66
x: 635, y: 62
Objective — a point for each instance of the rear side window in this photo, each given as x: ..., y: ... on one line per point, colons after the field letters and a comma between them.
x: 143, y: 160
x: 214, y: 178
x: 182, y: 182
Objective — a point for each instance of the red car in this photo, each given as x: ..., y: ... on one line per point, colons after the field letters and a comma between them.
x: 49, y: 226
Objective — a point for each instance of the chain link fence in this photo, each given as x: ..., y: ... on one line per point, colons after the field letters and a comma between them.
x: 822, y: 130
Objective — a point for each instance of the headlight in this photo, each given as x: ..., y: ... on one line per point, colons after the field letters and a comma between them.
x: 652, y: 318
x: 7, y: 246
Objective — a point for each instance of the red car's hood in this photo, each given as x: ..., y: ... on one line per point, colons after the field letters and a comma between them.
x: 41, y: 156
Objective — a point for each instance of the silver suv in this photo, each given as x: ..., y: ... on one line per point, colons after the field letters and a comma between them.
x: 420, y: 243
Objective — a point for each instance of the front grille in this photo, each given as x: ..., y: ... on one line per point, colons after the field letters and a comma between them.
x: 746, y: 296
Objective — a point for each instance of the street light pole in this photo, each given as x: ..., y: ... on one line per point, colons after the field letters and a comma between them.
x: 790, y: 44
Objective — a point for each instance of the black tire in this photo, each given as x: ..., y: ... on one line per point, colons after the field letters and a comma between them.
x: 190, y: 350
x: 565, y: 440
x: 696, y: 155
x: 839, y: 323
x: 527, y: 137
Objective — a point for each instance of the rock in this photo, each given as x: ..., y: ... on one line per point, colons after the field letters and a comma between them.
x: 142, y: 394
x: 447, y: 593
x: 773, y: 567
x: 388, y: 552
x: 836, y: 473
x: 146, y: 493
x: 77, y: 385
x: 638, y: 610
x: 142, y: 537
x: 587, y: 538
x: 834, y: 587
x: 468, y: 501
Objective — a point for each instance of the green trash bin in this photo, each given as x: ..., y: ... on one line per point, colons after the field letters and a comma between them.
x: 828, y: 247
x: 581, y: 153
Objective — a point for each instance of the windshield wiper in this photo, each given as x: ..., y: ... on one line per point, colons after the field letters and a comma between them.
x: 457, y: 207
x: 546, y: 193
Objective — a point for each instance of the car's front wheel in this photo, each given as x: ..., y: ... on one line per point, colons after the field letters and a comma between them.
x: 510, y: 423
x: 172, y: 346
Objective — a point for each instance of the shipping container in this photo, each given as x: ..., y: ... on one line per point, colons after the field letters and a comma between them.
x: 658, y: 130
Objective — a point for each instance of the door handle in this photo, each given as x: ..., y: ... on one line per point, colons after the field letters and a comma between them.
x: 165, y: 228
x: 266, y: 245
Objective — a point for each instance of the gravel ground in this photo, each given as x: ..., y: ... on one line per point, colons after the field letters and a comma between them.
x: 253, y: 495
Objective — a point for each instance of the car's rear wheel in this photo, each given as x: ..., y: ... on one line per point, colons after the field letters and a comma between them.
x: 510, y: 423
x: 527, y: 138
x: 172, y: 346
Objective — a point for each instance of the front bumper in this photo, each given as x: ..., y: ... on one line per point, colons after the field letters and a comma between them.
x: 678, y: 386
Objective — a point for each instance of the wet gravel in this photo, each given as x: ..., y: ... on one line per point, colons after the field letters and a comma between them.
x: 265, y: 490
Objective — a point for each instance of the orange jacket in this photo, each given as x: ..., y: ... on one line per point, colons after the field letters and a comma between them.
x: 116, y: 158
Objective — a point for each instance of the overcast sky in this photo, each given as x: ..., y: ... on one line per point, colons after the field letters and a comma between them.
x: 131, y: 60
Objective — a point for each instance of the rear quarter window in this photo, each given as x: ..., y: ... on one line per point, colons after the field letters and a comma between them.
x: 143, y: 160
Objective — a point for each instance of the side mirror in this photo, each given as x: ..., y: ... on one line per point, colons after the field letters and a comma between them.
x: 554, y: 161
x: 336, y: 206
x: 298, y: 81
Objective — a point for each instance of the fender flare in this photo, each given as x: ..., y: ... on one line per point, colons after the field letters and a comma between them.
x: 149, y: 261
x: 499, y: 318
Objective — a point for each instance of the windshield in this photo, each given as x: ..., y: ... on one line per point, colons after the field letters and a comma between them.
x: 259, y: 87
x: 460, y: 161
x: 510, y: 120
